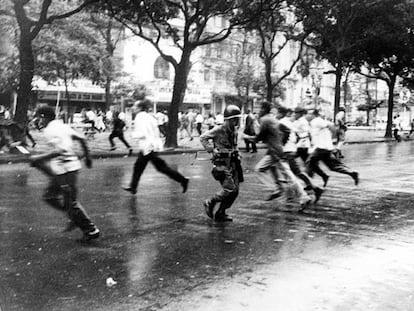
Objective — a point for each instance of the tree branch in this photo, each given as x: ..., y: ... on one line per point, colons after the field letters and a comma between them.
x: 287, y: 73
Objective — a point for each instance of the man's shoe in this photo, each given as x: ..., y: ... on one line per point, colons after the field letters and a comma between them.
x: 209, y: 208
x: 325, y: 181
x: 222, y: 218
x: 355, y: 177
x: 131, y: 190
x: 318, y: 193
x: 185, y: 184
x: 305, y: 205
x: 274, y: 195
x: 90, y: 235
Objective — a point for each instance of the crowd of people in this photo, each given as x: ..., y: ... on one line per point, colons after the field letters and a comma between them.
x: 296, y: 141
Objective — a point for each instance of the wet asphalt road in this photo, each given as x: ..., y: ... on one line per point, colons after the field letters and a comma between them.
x: 351, y: 252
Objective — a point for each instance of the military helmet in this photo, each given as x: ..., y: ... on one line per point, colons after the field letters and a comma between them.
x: 46, y: 111
x: 232, y: 111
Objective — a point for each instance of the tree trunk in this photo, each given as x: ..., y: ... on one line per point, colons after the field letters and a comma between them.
x: 391, y: 86
x: 25, y: 80
x: 180, y: 86
x: 368, y: 112
x: 108, y: 99
x: 269, y: 83
x: 338, y: 76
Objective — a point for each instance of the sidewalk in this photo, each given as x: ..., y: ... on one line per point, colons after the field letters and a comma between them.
x: 100, y: 148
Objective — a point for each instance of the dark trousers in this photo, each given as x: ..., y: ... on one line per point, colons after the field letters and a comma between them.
x: 396, y: 135
x: 229, y: 180
x: 303, y: 153
x: 329, y: 160
x: 198, y: 127
x: 160, y: 165
x: 292, y: 159
x: 252, y: 143
x: 62, y: 195
x: 121, y: 137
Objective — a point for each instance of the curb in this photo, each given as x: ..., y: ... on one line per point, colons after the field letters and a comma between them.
x: 15, y: 159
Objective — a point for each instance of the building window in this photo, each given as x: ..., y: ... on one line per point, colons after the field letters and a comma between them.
x: 161, y: 69
x: 208, y: 50
x: 207, y: 76
x: 219, y: 75
x: 219, y: 51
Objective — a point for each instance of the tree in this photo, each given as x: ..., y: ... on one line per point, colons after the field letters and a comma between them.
x: 32, y: 16
x: 186, y: 24
x: 274, y: 22
x: 8, y: 51
x: 389, y: 49
x: 110, y: 31
x: 338, y: 31
x: 66, y: 51
x: 244, y: 77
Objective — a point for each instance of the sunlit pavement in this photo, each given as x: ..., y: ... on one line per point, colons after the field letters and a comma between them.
x: 351, y: 252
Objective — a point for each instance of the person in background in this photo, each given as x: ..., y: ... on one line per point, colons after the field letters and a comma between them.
x: 149, y: 143
x: 250, y: 130
x: 118, y: 127
x: 396, y: 124
x: 162, y: 122
x: 219, y: 118
x: 340, y: 129
x: 199, y: 122
x: 210, y: 121
x: 411, y: 129
x: 62, y: 166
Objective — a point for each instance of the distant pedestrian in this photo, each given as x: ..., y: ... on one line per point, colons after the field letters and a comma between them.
x: 210, y: 121
x: 219, y: 118
x: 249, y: 129
x: 340, y: 129
x: 411, y: 129
x: 396, y: 124
x: 221, y: 141
x: 162, y: 122
x: 62, y: 165
x: 149, y: 143
x: 199, y: 119
x: 118, y: 127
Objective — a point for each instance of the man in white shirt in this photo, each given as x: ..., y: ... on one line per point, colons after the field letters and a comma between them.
x: 321, y: 134
x: 61, y: 164
x: 290, y: 151
x: 149, y: 143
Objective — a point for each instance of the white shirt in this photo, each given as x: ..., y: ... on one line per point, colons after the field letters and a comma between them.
x: 161, y: 118
x: 321, y: 134
x: 147, y: 132
x: 199, y: 118
x: 219, y: 119
x: 303, y: 130
x: 91, y: 115
x: 59, y: 137
x: 290, y: 145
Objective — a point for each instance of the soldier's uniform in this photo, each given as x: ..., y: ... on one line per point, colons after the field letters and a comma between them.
x: 222, y: 142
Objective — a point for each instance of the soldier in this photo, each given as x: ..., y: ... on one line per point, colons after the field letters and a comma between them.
x: 221, y: 141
